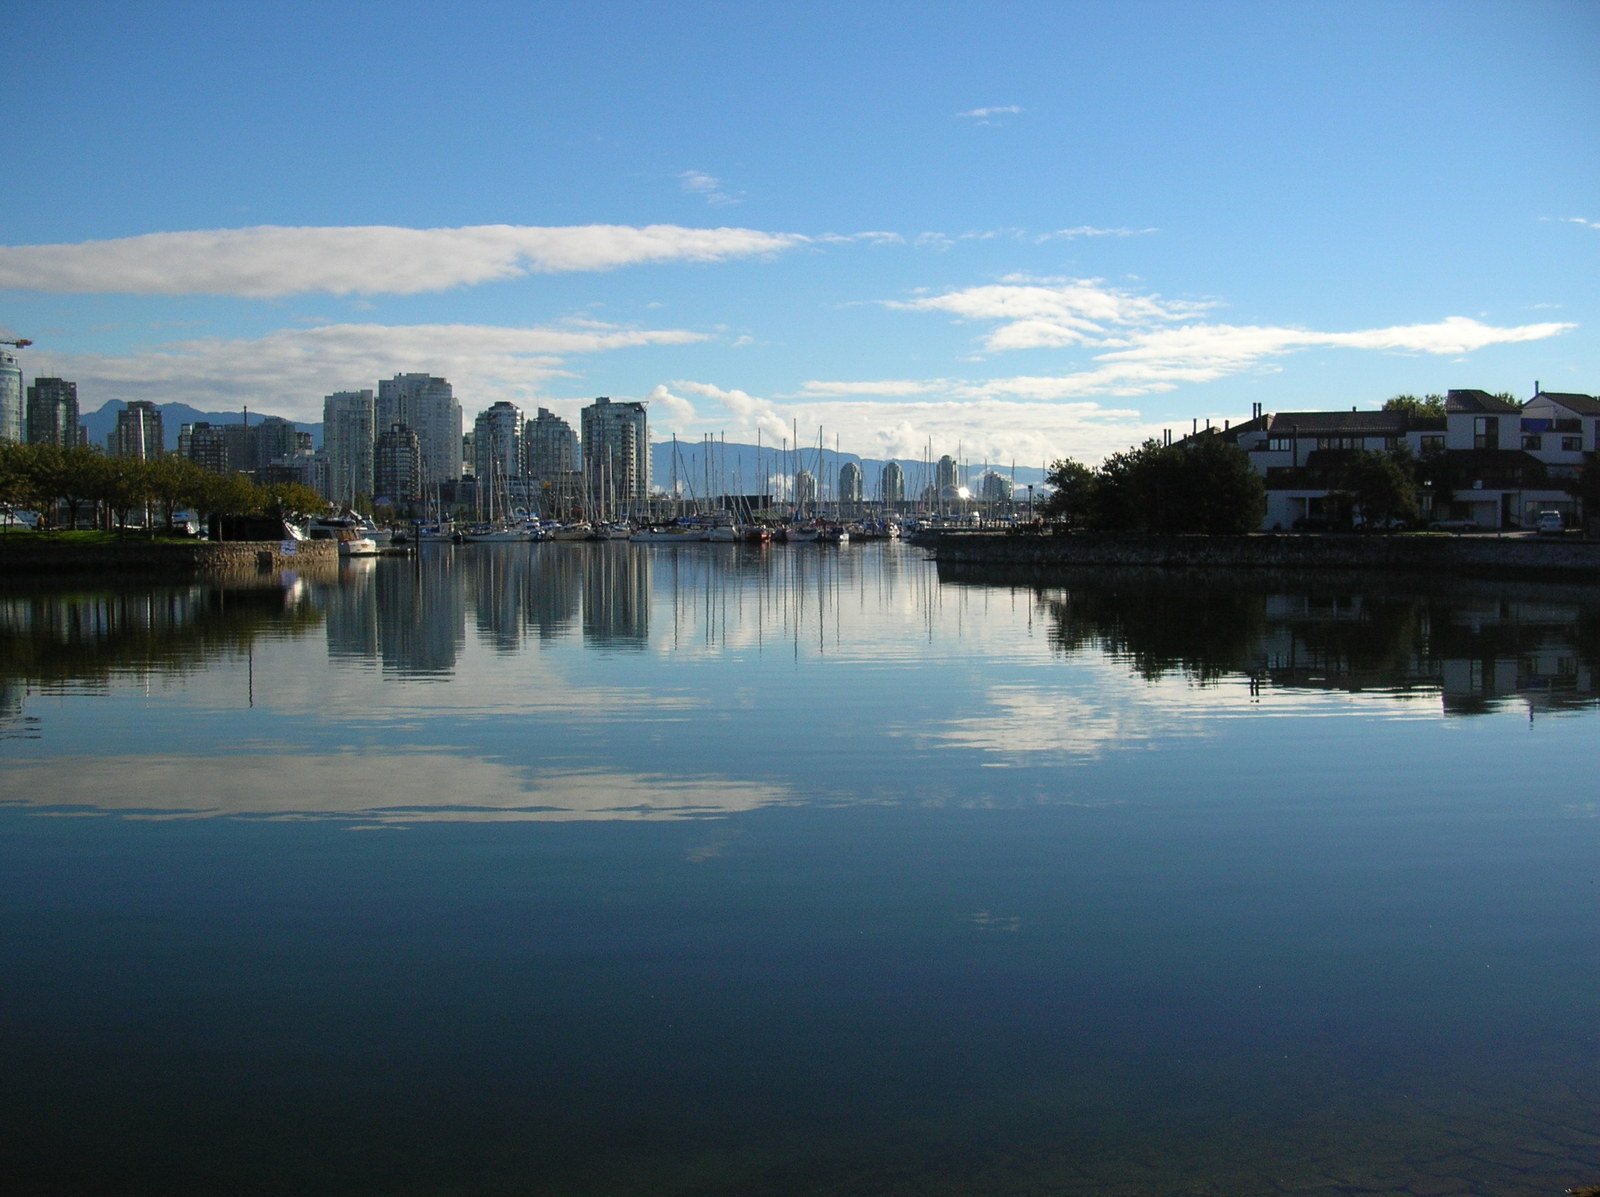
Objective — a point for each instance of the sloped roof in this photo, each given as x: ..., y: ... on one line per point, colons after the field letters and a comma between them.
x: 1342, y: 423
x: 1478, y: 403
x: 1581, y: 405
x: 1229, y: 435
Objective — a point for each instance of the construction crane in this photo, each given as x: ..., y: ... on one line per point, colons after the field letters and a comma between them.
x: 22, y: 344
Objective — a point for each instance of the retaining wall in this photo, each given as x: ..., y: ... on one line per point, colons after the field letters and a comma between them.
x: 23, y: 556
x: 1480, y: 555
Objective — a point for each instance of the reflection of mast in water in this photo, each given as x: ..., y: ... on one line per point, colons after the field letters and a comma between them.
x: 616, y: 594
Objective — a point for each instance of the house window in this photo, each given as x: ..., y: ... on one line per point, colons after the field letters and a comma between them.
x: 1572, y: 444
x: 1432, y: 441
x: 1280, y: 444
x: 1532, y: 442
x: 1486, y: 432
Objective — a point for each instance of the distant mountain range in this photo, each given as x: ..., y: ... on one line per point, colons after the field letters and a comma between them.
x: 700, y: 467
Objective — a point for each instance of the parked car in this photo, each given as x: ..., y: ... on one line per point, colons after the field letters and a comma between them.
x: 1453, y: 526
x: 1549, y: 523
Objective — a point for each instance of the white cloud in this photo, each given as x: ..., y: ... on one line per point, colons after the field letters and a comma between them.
x: 991, y: 115
x: 678, y: 411
x: 882, y: 388
x: 1051, y: 313
x: 1084, y: 230
x: 288, y: 371
x: 708, y: 187
x: 981, y: 424
x: 750, y: 413
x: 271, y: 261
x: 1144, y: 344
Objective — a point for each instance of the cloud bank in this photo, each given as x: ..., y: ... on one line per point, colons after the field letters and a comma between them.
x: 270, y: 261
x: 1142, y: 344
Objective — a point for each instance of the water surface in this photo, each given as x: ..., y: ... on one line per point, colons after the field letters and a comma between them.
x: 580, y: 869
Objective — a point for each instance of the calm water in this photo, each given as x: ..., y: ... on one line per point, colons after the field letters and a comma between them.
x: 594, y: 869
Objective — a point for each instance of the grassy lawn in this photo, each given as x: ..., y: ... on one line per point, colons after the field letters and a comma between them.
x: 87, y: 536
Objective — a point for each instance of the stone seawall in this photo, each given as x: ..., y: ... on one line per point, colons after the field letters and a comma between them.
x: 1478, y: 554
x: 22, y: 557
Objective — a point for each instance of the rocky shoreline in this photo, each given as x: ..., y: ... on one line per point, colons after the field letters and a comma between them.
x: 1481, y: 555
x: 26, y: 557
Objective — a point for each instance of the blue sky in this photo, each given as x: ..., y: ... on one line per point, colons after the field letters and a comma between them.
x: 1016, y: 231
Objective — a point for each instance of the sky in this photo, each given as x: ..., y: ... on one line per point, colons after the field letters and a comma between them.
x: 1011, y: 232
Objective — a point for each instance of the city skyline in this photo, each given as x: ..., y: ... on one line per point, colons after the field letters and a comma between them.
x: 1038, y: 233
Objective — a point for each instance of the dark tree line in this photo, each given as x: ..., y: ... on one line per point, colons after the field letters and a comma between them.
x: 1208, y: 487
x: 79, y: 483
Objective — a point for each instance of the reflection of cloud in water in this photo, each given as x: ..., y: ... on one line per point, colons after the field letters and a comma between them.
x: 1020, y: 720
x: 400, y: 788
x: 1025, y: 720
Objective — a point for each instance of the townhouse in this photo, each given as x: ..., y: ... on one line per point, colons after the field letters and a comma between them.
x: 1490, y: 464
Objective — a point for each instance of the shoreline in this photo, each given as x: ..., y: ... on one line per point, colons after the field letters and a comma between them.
x: 1478, y: 555
x: 23, y: 558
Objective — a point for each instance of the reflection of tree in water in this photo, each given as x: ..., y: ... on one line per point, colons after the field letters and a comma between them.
x: 1204, y: 625
x: 51, y: 639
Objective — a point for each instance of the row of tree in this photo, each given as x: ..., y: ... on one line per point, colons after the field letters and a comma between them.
x: 106, y: 491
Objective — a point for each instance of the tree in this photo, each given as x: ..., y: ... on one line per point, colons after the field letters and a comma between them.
x: 1383, y: 485
x: 172, y: 485
x: 1428, y: 405
x: 1072, y: 500
x: 1207, y: 486
x: 290, y: 501
x: 1586, y: 487
x: 1221, y: 493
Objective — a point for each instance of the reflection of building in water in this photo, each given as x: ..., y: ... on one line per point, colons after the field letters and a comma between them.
x: 616, y: 596
x: 352, y: 612
x: 552, y: 597
x: 1344, y: 641
x: 11, y: 695
x: 498, y: 575
x: 421, y: 610
x: 1529, y: 648
x: 1476, y: 652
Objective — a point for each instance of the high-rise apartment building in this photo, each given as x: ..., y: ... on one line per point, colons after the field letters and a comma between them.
x: 208, y: 446
x: 497, y: 445
x: 349, y: 438
x: 550, y: 446
x: 850, y: 483
x: 13, y: 426
x: 138, y: 432
x: 427, y: 406
x: 892, y: 484
x: 275, y: 439
x: 945, y: 477
x: 616, y: 450
x: 53, y: 413
x: 397, y: 466
x: 995, y: 487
